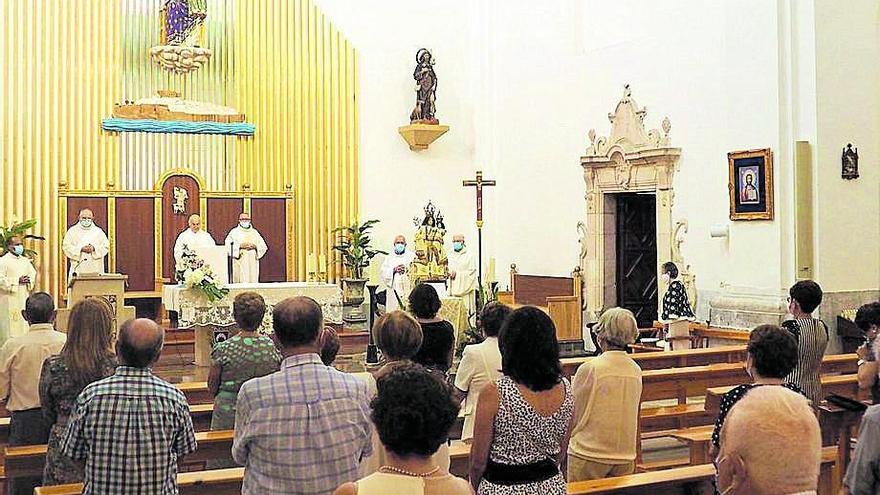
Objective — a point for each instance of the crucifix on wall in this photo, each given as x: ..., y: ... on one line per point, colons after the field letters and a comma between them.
x: 479, y: 183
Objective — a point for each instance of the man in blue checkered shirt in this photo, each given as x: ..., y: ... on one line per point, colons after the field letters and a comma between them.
x: 304, y: 429
x: 132, y: 427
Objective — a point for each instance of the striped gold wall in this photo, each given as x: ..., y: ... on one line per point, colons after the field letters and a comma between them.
x: 297, y: 81
x: 60, y: 75
x: 280, y: 62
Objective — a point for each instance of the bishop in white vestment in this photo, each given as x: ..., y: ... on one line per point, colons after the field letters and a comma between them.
x: 462, y: 280
x: 85, y: 245
x: 395, y: 276
x: 246, y: 246
x: 17, y: 277
x: 193, y: 237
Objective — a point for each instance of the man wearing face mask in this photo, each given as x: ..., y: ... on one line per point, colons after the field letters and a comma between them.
x: 85, y: 245
x: 246, y: 247
x: 462, y: 280
x: 394, y: 274
x: 193, y: 238
x: 17, y: 277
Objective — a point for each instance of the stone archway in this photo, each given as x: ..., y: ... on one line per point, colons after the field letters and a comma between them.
x: 630, y: 159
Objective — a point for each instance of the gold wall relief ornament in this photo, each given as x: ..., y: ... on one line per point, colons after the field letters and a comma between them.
x: 178, y: 201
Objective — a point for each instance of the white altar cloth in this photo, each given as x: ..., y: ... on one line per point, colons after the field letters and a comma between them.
x: 194, y: 310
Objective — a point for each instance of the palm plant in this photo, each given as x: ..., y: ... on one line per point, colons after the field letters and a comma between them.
x: 18, y: 229
x: 354, y: 244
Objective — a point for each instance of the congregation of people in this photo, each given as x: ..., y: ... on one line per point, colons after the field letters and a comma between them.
x: 303, y: 427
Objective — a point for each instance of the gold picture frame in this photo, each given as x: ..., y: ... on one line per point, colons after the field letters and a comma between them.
x: 750, y: 184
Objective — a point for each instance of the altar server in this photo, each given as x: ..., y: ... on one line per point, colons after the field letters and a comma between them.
x: 17, y: 276
x: 395, y: 269
x: 193, y: 237
x: 246, y: 246
x: 462, y: 273
x: 85, y: 245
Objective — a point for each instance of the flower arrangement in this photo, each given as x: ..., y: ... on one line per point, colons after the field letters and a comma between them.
x: 198, y: 276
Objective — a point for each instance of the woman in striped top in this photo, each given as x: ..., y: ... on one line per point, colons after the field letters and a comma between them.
x: 812, y: 338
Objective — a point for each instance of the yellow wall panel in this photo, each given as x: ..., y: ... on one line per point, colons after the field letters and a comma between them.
x: 280, y: 62
x: 299, y: 89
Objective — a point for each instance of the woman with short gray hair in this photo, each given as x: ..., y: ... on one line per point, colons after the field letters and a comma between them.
x: 607, y: 394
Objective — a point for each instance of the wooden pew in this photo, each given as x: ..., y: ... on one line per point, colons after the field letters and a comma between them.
x: 28, y: 460
x: 845, y: 385
x: 687, y: 479
x: 195, y: 392
x: 213, y: 482
x: 559, y: 297
x: 671, y: 359
x: 831, y: 363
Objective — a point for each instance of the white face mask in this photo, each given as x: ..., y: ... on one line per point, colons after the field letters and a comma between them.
x: 245, y: 224
x: 85, y: 222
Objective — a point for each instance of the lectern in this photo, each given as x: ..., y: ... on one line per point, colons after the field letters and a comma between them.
x: 109, y: 286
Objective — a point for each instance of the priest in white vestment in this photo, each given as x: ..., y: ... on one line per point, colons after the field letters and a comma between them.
x: 193, y: 237
x: 85, y: 245
x: 17, y: 277
x: 246, y: 246
x: 462, y: 270
x: 395, y: 269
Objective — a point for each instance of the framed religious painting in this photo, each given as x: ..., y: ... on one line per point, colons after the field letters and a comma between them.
x: 751, y: 184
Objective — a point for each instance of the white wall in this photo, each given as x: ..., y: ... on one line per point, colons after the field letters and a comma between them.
x: 848, y: 110
x: 396, y: 183
x: 521, y: 83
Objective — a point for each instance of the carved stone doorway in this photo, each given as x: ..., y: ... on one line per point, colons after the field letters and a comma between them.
x: 629, y: 160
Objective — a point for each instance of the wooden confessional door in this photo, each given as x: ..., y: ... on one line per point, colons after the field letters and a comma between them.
x: 637, y: 256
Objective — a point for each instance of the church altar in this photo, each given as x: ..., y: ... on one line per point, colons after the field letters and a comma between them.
x: 193, y: 309
x: 207, y: 318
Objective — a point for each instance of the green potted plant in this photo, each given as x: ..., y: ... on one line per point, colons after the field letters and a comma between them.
x: 354, y: 244
x: 18, y: 229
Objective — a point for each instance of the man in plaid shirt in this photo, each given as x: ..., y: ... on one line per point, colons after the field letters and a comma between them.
x: 304, y: 429
x: 131, y: 428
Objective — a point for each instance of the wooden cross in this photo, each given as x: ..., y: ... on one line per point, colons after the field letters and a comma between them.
x: 479, y: 183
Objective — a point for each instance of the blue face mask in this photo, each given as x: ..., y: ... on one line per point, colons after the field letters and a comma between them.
x: 245, y: 224
x: 457, y: 246
x: 18, y: 250
x: 86, y: 222
x: 399, y: 248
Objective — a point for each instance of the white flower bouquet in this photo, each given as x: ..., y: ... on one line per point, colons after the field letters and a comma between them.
x: 199, y: 277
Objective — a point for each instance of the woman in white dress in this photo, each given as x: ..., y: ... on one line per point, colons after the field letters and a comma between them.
x: 480, y: 364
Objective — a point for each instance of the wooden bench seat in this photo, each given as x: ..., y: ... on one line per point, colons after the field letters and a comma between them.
x: 28, y: 460
x: 845, y: 385
x: 687, y: 479
x: 213, y: 482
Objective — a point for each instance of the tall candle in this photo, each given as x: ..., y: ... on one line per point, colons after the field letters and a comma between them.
x: 323, y: 263
x: 310, y: 263
x: 490, y: 272
x: 374, y: 272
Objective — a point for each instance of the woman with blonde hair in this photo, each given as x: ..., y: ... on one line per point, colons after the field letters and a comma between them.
x: 607, y: 395
x: 86, y: 357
